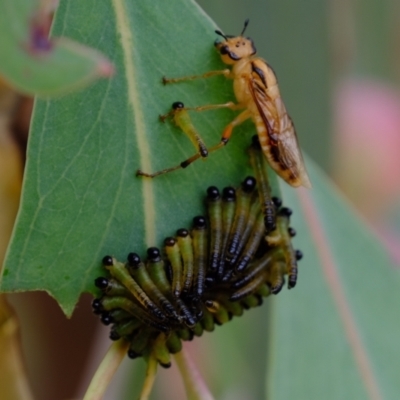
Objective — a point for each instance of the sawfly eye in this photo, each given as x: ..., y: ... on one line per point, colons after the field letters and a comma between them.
x: 224, y: 50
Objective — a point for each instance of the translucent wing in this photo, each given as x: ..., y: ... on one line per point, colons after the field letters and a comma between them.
x: 275, y: 128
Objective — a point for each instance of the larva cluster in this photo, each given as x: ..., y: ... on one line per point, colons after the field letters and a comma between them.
x: 223, y: 265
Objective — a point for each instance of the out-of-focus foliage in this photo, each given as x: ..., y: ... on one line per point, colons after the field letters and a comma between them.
x: 12, y: 373
x: 37, y: 65
x: 366, y: 111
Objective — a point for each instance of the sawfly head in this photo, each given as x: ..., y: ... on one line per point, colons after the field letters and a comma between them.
x: 235, y: 48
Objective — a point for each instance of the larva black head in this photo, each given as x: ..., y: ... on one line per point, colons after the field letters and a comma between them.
x: 229, y: 194
x: 169, y: 241
x: 107, y: 261
x: 106, y: 318
x: 185, y: 310
x: 114, y: 335
x: 133, y: 259
x: 213, y: 193
x: 97, y: 306
x: 153, y: 254
x: 132, y: 354
x: 199, y: 222
x: 299, y: 255
x: 285, y: 212
x: 182, y: 233
x: 177, y: 105
x: 277, y: 202
x: 292, y: 232
x: 249, y: 184
x: 101, y: 283
x: 234, y: 48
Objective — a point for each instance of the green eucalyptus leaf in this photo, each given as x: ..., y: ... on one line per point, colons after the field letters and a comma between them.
x: 81, y: 198
x: 39, y: 66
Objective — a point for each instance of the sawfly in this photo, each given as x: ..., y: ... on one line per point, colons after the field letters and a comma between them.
x: 257, y: 93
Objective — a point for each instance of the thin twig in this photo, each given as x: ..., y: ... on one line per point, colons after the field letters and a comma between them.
x: 106, y: 370
x: 195, y: 386
x: 150, y: 377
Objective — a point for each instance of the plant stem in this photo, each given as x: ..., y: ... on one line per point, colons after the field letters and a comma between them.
x: 195, y: 386
x: 106, y: 370
x: 150, y: 377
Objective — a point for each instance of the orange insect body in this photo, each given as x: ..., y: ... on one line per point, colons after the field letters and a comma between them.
x: 257, y: 93
x: 256, y: 90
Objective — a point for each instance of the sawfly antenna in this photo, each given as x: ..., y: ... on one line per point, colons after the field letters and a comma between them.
x: 245, y: 26
x: 221, y: 34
